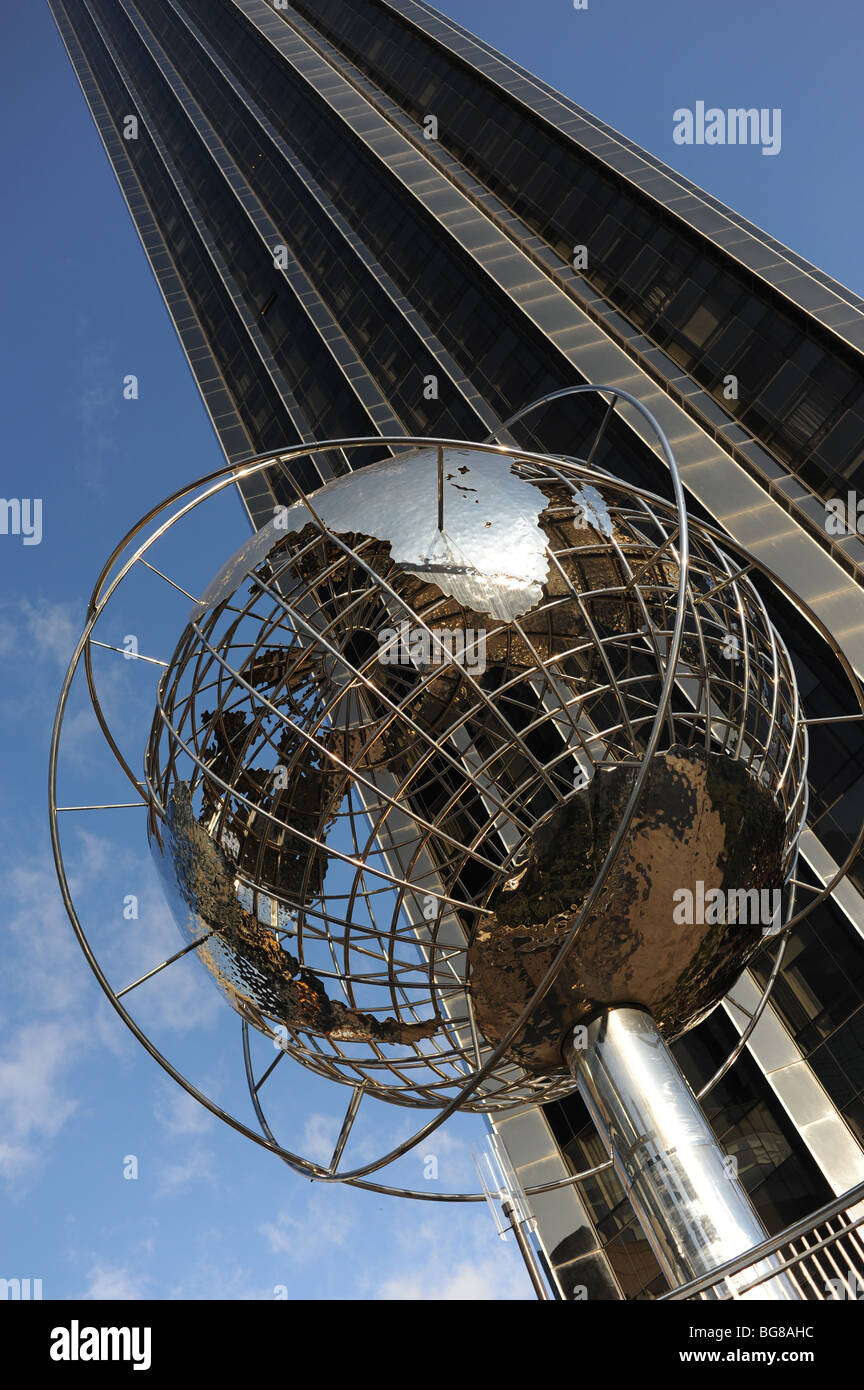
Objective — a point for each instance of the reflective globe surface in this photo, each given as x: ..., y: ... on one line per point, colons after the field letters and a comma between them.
x: 378, y: 760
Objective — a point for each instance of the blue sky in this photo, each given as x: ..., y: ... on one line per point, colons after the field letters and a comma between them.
x: 210, y: 1214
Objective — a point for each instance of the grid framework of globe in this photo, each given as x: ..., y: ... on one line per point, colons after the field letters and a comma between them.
x: 383, y: 705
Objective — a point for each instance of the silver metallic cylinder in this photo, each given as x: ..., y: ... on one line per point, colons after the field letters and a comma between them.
x: 693, y: 1210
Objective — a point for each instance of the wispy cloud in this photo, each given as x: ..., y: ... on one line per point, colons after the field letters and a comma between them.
x: 100, y: 397
x: 40, y: 949
x: 310, y: 1229
x: 485, y: 1280
x: 454, y: 1266
x: 34, y: 1102
x: 195, y: 1168
x: 107, y: 1281
x: 320, y: 1133
x: 178, y: 1112
x: 50, y: 629
x: 51, y: 1024
x: 37, y: 638
x: 209, y: 1280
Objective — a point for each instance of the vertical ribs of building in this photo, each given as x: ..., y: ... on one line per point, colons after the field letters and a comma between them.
x: 337, y: 263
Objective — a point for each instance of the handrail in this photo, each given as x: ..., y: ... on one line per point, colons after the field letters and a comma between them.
x: 771, y: 1246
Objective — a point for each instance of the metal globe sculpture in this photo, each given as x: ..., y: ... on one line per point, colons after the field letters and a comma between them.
x: 389, y: 758
x: 434, y: 756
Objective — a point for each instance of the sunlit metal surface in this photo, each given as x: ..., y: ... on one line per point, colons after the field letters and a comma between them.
x: 688, y: 1200
x: 491, y: 555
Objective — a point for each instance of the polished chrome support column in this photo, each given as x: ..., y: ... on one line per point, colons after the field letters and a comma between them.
x: 694, y: 1212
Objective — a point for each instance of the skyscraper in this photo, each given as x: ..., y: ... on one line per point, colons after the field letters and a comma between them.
x: 365, y: 221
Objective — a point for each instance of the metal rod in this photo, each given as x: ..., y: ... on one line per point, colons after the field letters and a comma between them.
x: 441, y: 488
x: 833, y: 719
x: 525, y: 1249
x: 825, y: 1243
x: 155, y: 971
x: 692, y: 1209
x: 610, y: 409
x: 130, y: 656
x: 730, y: 579
x: 347, y: 1124
x: 178, y: 587
x: 272, y: 1067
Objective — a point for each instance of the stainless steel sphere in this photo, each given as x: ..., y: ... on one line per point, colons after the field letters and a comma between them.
x: 387, y: 706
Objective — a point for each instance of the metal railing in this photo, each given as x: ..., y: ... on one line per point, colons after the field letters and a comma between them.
x: 823, y: 1255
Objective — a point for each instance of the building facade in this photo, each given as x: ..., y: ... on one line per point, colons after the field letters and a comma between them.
x: 364, y: 221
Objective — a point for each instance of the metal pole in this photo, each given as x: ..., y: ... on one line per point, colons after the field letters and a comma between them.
x: 526, y: 1251
x: 686, y: 1195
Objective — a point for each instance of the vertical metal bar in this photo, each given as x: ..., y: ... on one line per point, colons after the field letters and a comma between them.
x: 804, y: 1272
x: 441, y: 488
x: 527, y: 1253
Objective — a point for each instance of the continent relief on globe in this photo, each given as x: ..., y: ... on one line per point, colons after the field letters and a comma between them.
x: 702, y: 816
x: 262, y: 979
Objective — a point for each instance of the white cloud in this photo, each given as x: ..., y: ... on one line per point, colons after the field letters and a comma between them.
x: 42, y: 954
x: 55, y: 1016
x: 486, y: 1280
x: 180, y: 1113
x: 37, y: 639
x: 320, y: 1133
x: 107, y: 1281
x: 51, y: 630
x: 306, y: 1232
x: 8, y: 636
x: 453, y: 1258
x: 33, y: 1068
x: 197, y: 1167
x: 209, y: 1281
